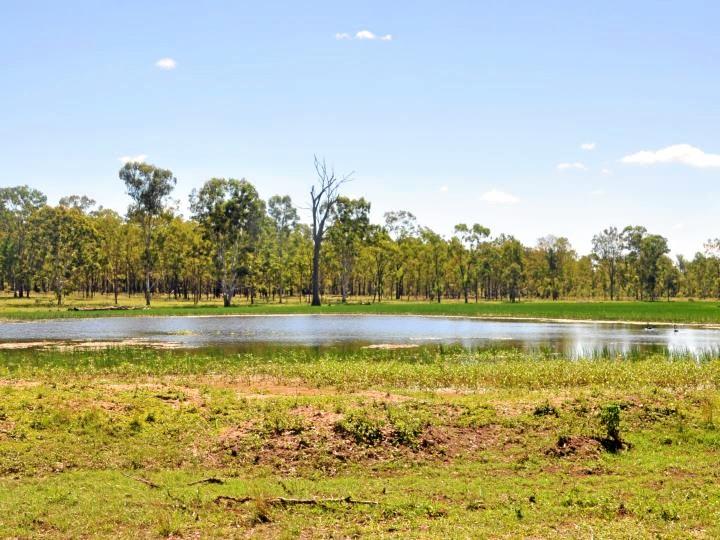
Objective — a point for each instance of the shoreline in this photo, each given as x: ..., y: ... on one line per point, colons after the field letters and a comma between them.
x: 490, y: 318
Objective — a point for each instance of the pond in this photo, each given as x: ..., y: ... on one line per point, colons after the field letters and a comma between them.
x: 242, y: 332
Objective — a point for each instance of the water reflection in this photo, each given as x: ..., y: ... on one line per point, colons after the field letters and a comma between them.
x: 573, y: 339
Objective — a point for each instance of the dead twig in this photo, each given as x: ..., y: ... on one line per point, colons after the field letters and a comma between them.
x: 148, y: 483
x: 236, y: 500
x: 209, y: 480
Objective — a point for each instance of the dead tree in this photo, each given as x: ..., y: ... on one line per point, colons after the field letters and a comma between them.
x: 323, y: 196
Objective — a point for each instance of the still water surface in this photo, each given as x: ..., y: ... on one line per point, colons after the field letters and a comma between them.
x: 573, y: 339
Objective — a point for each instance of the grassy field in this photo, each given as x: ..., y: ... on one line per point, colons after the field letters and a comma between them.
x: 681, y: 311
x: 415, y: 443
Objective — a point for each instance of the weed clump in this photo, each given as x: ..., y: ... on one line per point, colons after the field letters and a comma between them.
x: 545, y: 410
x: 361, y: 427
x: 610, y: 420
x: 279, y: 422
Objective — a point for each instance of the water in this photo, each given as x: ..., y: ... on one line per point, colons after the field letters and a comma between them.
x: 573, y: 339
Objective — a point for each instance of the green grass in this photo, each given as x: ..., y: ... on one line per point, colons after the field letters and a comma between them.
x: 701, y: 312
x: 447, y: 442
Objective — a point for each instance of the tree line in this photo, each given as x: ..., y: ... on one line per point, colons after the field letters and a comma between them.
x: 236, y: 244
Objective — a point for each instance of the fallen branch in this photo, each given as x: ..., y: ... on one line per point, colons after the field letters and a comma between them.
x: 210, y: 480
x: 285, y: 501
x: 236, y: 500
x: 148, y: 483
x: 346, y: 500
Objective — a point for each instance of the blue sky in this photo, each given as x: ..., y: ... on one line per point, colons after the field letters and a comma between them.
x: 464, y: 112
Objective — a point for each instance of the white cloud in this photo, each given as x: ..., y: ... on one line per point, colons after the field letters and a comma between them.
x: 588, y: 146
x: 443, y: 189
x: 684, y: 154
x: 606, y: 171
x: 597, y: 192
x: 567, y: 166
x: 364, y: 35
x: 678, y: 226
x: 495, y: 196
x: 166, y: 64
x: 140, y: 158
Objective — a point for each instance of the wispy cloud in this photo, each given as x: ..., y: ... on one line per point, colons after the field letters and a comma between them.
x: 140, y: 158
x: 684, y: 154
x: 606, y: 171
x: 364, y: 35
x: 569, y: 166
x: 588, y: 146
x: 166, y: 64
x: 443, y: 189
x: 495, y: 196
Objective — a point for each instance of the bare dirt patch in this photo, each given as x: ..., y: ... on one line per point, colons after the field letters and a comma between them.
x: 320, y: 445
x: 86, y: 345
x: 576, y: 445
x: 19, y: 383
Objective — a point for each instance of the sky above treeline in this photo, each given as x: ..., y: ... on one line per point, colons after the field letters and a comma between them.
x: 531, y: 118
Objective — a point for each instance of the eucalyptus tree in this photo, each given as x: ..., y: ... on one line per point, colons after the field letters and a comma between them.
x: 175, y: 240
x: 631, y: 237
x: 323, y: 198
x: 284, y: 218
x: 556, y: 253
x: 436, y: 252
x: 669, y: 277
x: 467, y: 254
x: 381, y: 249
x: 197, y: 262
x: 607, y: 249
x: 349, y: 231
x: 230, y: 213
x: 512, y: 261
x: 111, y: 232
x: 300, y: 258
x: 712, y: 251
x: 62, y: 236
x: 81, y: 202
x: 403, y: 230
x: 653, y: 249
x: 149, y: 187
x: 17, y: 204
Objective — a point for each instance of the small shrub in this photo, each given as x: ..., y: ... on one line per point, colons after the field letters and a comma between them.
x: 610, y: 420
x: 407, y: 425
x: 135, y: 425
x: 478, y: 417
x: 707, y: 406
x: 545, y: 410
x: 361, y: 427
x: 279, y: 422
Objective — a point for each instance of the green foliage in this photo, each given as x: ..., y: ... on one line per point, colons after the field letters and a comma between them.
x: 362, y: 426
x: 279, y: 421
x: 545, y: 410
x: 610, y: 420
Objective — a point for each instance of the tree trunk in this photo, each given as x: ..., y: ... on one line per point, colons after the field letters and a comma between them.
x: 147, y: 288
x: 316, y: 274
